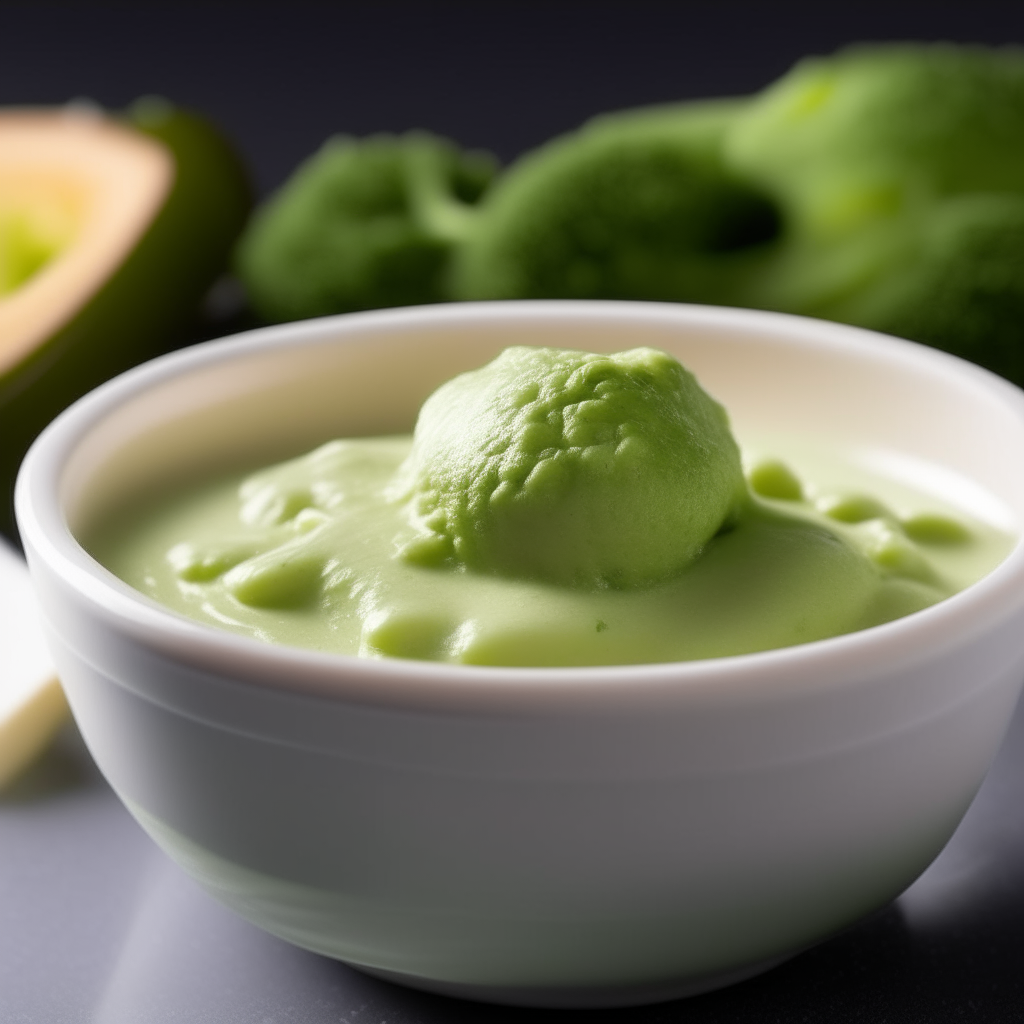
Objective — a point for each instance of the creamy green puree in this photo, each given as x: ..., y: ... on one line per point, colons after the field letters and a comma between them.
x: 552, y: 508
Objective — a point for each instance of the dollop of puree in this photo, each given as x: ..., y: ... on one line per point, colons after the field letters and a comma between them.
x: 552, y: 508
x: 580, y: 469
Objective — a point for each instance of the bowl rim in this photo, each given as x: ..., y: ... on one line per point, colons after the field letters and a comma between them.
x: 872, y: 653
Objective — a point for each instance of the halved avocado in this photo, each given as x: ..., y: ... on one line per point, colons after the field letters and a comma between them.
x: 111, y: 232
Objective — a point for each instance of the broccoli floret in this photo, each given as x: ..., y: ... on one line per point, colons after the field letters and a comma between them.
x: 883, y: 186
x: 360, y: 225
x: 634, y: 205
x: 964, y: 291
x: 900, y: 173
x: 865, y: 132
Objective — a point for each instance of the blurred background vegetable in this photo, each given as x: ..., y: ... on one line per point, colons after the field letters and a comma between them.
x: 632, y: 206
x: 116, y: 229
x: 354, y: 227
x: 900, y: 171
x: 882, y: 186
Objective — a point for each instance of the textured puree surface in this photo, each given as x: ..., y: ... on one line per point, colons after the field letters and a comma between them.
x: 575, y: 468
x: 307, y: 553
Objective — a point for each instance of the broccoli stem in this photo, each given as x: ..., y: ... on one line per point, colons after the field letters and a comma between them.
x: 432, y: 203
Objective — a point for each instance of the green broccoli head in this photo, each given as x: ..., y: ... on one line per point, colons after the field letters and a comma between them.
x: 633, y: 207
x: 352, y: 229
x: 874, y: 131
x: 900, y: 171
x: 964, y: 291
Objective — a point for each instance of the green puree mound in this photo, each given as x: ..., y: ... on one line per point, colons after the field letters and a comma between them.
x: 553, y: 508
x: 572, y: 468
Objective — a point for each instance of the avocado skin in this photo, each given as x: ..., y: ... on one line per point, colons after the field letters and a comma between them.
x: 150, y: 302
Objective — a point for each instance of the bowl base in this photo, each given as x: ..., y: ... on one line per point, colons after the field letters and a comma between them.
x: 582, y: 997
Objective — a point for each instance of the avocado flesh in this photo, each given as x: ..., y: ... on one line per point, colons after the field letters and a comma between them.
x: 111, y: 180
x: 39, y: 216
x: 149, y: 206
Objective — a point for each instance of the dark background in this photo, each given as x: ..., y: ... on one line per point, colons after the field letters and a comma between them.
x: 504, y: 76
x: 280, y: 78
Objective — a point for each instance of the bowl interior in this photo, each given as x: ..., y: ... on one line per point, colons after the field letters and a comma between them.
x: 278, y: 392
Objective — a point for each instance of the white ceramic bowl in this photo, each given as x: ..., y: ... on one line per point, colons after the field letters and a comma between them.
x: 549, y: 837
